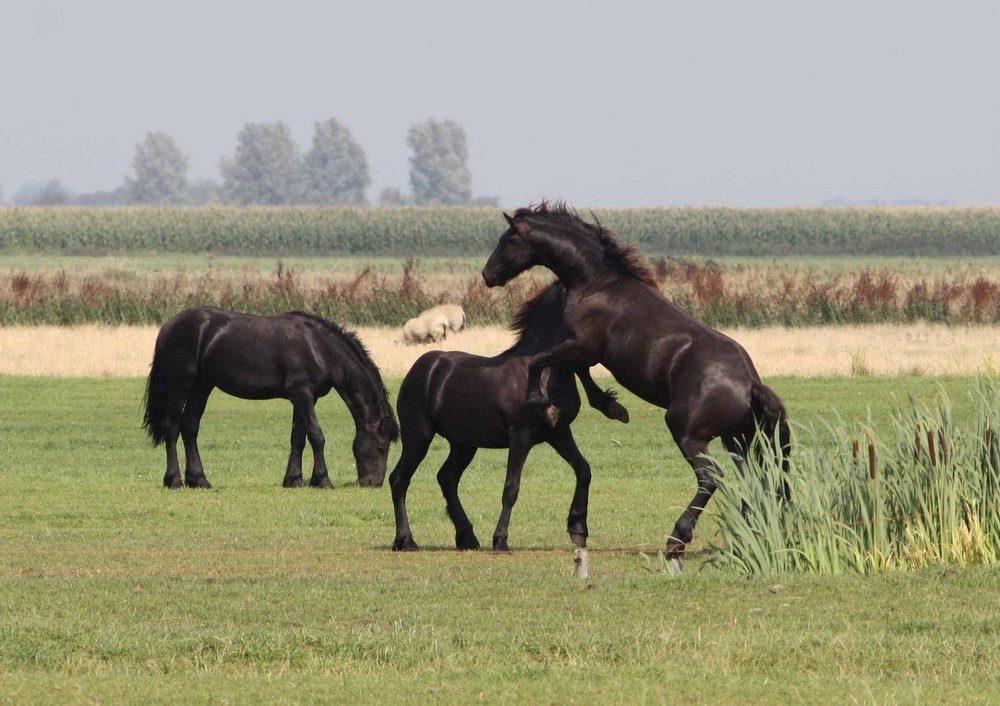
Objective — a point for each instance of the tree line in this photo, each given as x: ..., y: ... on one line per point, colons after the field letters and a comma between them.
x: 269, y: 168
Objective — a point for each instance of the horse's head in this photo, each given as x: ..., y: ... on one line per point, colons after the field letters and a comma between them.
x: 512, y: 255
x: 371, y: 449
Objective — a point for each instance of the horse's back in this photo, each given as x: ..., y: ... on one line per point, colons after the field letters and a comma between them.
x: 195, y: 323
x: 656, y: 350
x: 242, y: 354
x: 474, y: 399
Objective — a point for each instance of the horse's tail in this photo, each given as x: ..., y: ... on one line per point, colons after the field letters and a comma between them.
x: 155, y: 402
x: 771, y: 418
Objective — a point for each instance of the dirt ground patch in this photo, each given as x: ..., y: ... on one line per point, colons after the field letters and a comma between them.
x: 920, y: 349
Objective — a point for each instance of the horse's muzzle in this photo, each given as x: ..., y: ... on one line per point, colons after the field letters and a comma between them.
x: 493, y: 280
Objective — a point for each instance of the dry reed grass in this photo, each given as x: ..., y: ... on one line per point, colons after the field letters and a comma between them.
x: 889, y: 350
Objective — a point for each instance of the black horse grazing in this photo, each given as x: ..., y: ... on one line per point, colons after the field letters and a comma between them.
x: 295, y: 356
x: 617, y: 316
x: 476, y: 402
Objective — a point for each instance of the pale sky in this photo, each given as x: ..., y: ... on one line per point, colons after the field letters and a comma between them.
x: 597, y: 102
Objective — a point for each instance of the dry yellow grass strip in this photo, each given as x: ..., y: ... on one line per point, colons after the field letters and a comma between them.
x: 922, y: 349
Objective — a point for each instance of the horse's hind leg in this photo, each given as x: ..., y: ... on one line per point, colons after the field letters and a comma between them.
x: 414, y: 450
x: 576, y: 525
x: 519, y: 448
x: 694, y: 450
x: 172, y: 427
x: 459, y: 458
x: 194, y: 472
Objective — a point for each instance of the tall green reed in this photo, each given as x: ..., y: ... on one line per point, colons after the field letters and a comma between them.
x: 926, y: 491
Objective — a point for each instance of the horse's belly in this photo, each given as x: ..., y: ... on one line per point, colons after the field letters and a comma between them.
x: 246, y: 378
x: 475, y: 412
x: 648, y: 387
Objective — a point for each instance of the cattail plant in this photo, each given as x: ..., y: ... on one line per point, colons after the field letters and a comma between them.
x: 925, y: 492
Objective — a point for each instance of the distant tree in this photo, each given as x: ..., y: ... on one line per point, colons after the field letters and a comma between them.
x: 439, y: 172
x: 266, y: 169
x: 52, y: 193
x: 118, y: 197
x: 27, y: 193
x: 203, y: 192
x: 160, y: 172
x: 336, y: 170
x: 392, y: 196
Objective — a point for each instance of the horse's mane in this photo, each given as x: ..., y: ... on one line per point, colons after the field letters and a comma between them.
x: 547, y: 298
x: 355, y: 345
x: 624, y: 259
x: 529, y: 308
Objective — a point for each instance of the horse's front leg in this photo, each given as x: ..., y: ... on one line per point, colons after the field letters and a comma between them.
x: 305, y: 408
x: 293, y: 471
x: 604, y: 401
x: 568, y: 352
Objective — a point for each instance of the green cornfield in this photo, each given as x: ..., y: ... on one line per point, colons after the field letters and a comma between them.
x: 285, y: 231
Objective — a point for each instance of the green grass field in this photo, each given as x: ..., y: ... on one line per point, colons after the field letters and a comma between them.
x: 116, y: 590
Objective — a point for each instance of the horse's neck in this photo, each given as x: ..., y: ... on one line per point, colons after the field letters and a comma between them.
x: 572, y: 262
x: 356, y: 386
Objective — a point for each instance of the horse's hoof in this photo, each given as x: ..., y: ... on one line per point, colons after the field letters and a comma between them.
x: 578, y: 539
x: 291, y: 483
x: 172, y: 482
x: 617, y: 412
x: 675, y: 557
x: 323, y: 482
x: 467, y: 542
x: 500, y: 546
x: 537, y: 400
x: 199, y: 482
x: 404, y: 545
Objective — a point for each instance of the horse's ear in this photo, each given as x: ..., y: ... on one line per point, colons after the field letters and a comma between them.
x: 510, y: 221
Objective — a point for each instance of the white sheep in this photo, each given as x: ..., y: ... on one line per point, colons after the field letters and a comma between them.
x: 426, y: 328
x: 437, y: 326
x: 452, y: 312
x: 415, y: 331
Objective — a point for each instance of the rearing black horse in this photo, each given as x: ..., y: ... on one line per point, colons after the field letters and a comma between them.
x: 476, y: 402
x: 617, y: 316
x: 297, y: 356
